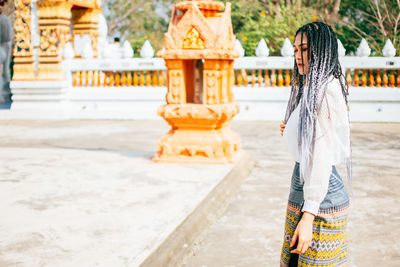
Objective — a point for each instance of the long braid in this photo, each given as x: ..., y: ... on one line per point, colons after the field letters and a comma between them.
x: 308, y: 90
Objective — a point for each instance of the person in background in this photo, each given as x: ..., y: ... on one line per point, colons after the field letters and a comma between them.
x: 5, y: 54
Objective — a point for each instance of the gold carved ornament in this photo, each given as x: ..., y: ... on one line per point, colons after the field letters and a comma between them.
x: 175, y: 87
x: 48, y: 42
x: 193, y: 40
x: 22, y: 26
x: 212, y: 86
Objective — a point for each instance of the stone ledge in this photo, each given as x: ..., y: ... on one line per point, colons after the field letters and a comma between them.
x: 178, y: 244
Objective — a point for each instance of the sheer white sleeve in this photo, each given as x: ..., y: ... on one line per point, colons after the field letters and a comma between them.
x: 330, y: 146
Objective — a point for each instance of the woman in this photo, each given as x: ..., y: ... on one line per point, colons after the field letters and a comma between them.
x: 316, y: 129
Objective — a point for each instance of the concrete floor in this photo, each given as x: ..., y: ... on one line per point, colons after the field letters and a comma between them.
x: 84, y: 193
x: 249, y: 233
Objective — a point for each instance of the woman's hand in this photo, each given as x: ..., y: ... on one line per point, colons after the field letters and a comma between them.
x: 283, y: 125
x: 303, y: 232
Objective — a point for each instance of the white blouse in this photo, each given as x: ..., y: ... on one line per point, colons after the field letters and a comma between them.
x: 332, y: 144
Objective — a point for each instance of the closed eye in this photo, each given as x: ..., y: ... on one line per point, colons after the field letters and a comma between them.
x: 302, y: 49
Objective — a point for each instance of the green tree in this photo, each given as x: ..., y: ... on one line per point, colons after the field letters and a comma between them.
x: 272, y: 20
x: 137, y: 21
x: 374, y: 20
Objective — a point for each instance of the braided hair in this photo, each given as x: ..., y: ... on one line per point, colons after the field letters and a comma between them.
x: 308, y: 89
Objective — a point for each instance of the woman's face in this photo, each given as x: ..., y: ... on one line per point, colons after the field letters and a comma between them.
x: 300, y: 53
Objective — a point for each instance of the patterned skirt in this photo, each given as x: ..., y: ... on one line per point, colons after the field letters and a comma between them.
x: 329, y: 242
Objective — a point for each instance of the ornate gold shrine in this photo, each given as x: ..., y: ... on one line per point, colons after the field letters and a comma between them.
x: 199, y: 53
x: 54, y: 19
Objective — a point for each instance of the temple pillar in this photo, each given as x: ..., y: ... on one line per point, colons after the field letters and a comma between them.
x: 86, y: 21
x: 23, y: 52
x: 44, y: 95
x: 54, y: 30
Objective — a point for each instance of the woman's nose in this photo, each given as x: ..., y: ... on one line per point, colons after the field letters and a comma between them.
x: 297, y: 54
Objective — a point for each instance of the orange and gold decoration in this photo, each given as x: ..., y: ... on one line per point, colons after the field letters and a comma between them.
x: 23, y: 51
x: 199, y: 53
x: 54, y: 18
x: 86, y: 21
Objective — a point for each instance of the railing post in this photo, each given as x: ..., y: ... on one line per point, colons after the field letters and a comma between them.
x: 392, y: 79
x: 371, y: 78
x: 385, y: 78
x: 348, y: 78
x: 356, y: 78
x: 287, y: 78
x: 273, y: 78
x: 259, y: 78
x: 363, y: 78
x: 280, y: 78
x: 246, y: 79
x: 266, y: 78
x: 378, y: 78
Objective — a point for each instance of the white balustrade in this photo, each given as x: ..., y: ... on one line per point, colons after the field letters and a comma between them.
x: 262, y: 70
x: 125, y: 64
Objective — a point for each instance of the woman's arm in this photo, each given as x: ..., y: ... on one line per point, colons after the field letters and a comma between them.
x: 315, y: 189
x: 316, y: 184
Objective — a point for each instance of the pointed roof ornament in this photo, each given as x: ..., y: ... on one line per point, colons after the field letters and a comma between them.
x: 127, y: 51
x: 363, y: 49
x: 341, y: 49
x: 68, y: 52
x: 389, y: 50
x: 262, y: 49
x: 287, y: 49
x: 80, y: 42
x: 239, y: 48
x: 147, y: 50
x: 87, y: 51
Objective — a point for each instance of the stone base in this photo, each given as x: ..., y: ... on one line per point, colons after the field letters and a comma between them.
x: 199, y: 146
x: 40, y: 99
